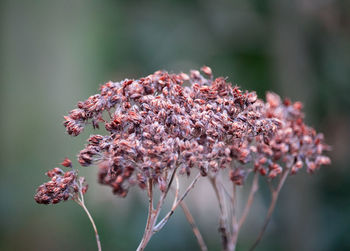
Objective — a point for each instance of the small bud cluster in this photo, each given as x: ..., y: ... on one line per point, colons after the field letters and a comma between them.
x: 61, y: 187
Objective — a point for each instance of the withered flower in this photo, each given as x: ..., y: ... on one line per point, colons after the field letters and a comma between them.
x: 167, y: 124
x: 293, y: 144
x: 66, y: 162
x: 61, y: 187
x: 166, y: 121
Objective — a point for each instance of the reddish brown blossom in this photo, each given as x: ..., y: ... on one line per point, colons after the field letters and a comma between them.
x: 66, y: 162
x: 166, y: 121
x: 293, y: 144
x: 61, y: 187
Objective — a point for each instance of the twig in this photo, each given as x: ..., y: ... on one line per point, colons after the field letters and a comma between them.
x: 253, y: 190
x: 275, y: 194
x: 177, y: 189
x: 81, y: 203
x: 227, y: 193
x: 234, y: 225
x: 195, y: 229
x: 194, y: 226
x: 189, y: 217
x: 234, y: 214
x: 150, y: 213
x: 161, y: 224
x: 154, y: 213
x: 223, y: 218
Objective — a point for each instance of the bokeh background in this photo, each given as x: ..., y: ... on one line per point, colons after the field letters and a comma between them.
x: 55, y: 53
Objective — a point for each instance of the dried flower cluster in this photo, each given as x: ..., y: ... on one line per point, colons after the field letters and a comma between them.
x: 293, y: 144
x: 168, y: 124
x: 61, y: 187
x: 166, y: 121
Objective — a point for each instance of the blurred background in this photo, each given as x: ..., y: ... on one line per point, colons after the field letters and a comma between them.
x: 55, y: 53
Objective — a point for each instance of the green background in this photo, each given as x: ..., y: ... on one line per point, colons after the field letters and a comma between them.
x: 55, y: 53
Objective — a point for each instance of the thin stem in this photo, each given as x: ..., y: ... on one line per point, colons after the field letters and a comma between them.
x: 171, y: 180
x: 234, y: 213
x: 150, y: 213
x: 82, y: 204
x: 150, y: 198
x: 177, y: 189
x: 253, y: 190
x: 161, y: 224
x: 234, y: 225
x: 195, y: 229
x: 227, y: 193
x: 189, y: 216
x: 275, y: 194
x: 223, y: 218
x: 154, y: 213
x: 283, y: 179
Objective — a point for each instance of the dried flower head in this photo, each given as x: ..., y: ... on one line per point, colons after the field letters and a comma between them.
x: 293, y: 144
x: 166, y: 121
x: 61, y: 187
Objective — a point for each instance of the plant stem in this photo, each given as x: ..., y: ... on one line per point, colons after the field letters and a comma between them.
x: 153, y: 213
x: 253, y: 190
x: 82, y: 204
x: 195, y: 229
x: 161, y: 224
x: 233, y: 237
x: 225, y: 236
x: 189, y: 216
x: 151, y: 226
x: 275, y: 193
x: 150, y: 212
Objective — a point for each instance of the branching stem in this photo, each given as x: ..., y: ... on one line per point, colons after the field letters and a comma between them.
x: 151, y: 226
x: 161, y: 224
x: 275, y: 193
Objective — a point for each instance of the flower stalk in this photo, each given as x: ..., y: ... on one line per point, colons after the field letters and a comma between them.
x: 82, y: 204
x: 274, y: 196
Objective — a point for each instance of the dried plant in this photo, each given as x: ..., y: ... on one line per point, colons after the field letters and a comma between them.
x: 64, y: 186
x: 164, y: 126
